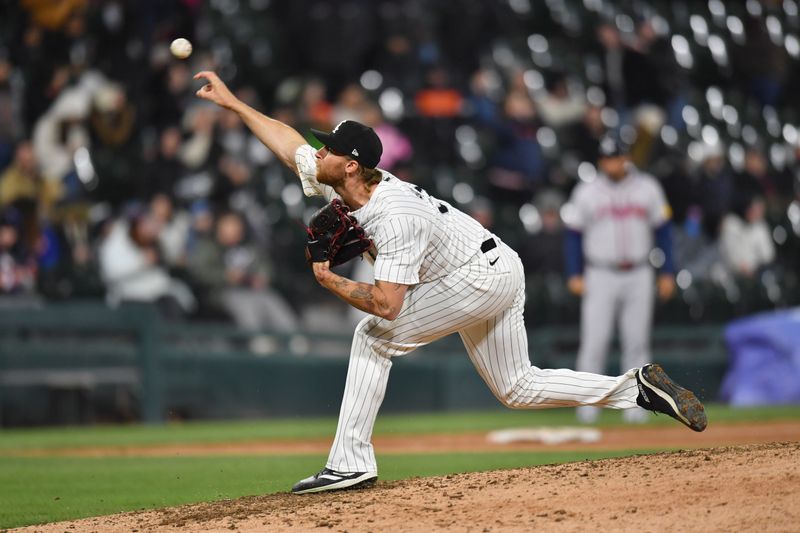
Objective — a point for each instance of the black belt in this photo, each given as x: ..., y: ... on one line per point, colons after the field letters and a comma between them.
x: 488, y: 244
x: 625, y: 266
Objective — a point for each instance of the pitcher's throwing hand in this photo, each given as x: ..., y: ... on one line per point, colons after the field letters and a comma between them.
x: 215, y: 90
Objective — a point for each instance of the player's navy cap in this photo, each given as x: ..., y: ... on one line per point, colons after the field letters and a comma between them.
x: 355, y: 140
x: 612, y: 147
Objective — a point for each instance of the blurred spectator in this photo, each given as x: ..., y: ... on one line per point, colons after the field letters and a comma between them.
x: 638, y: 70
x: 647, y: 121
x: 10, y: 111
x: 396, y: 145
x: 760, y: 63
x: 315, y: 110
x: 756, y: 179
x: 238, y: 189
x: 199, y: 152
x: 695, y: 252
x: 561, y: 106
x: 745, y: 239
x: 132, y: 267
x: 352, y: 104
x: 22, y: 180
x: 166, y: 169
x: 438, y: 104
x: 17, y: 261
x: 669, y: 82
x: 173, y: 227
x: 715, y: 184
x: 400, y: 63
x: 235, y: 276
x: 585, y: 136
x: 116, y: 151
x: 517, y: 166
x: 77, y: 274
x: 44, y: 64
x: 171, y: 92
x: 202, y: 225
x: 63, y: 128
x: 612, y: 60
x: 438, y: 99
x: 542, y: 252
x: 237, y: 141
x: 53, y: 15
x: 649, y: 69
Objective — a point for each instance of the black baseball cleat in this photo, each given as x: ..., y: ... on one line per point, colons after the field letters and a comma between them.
x: 657, y: 392
x: 328, y: 479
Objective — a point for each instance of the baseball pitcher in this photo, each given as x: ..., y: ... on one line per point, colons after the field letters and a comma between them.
x: 437, y: 271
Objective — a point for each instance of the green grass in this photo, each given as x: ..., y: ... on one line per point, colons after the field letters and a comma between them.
x: 49, y: 489
x: 300, y: 428
x: 45, y: 489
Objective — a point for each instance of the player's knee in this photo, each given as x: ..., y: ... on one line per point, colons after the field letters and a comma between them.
x: 367, y: 337
x: 511, y: 401
x: 505, y: 394
x: 518, y: 395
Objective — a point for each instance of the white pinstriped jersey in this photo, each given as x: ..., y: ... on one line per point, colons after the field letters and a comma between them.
x: 426, y: 243
x: 617, y: 218
x: 418, y: 237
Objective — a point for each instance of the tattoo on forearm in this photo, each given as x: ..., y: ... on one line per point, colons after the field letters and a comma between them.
x: 364, y: 296
x: 362, y: 293
x: 340, y: 284
x: 370, y: 300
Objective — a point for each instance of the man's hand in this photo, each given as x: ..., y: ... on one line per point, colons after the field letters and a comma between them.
x: 666, y: 286
x: 575, y: 285
x: 215, y: 90
x: 321, y: 271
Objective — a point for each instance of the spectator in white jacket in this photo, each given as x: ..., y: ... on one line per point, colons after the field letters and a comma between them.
x: 745, y: 239
x: 131, y: 267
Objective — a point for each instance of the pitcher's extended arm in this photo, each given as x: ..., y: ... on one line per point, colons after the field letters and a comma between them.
x: 280, y: 138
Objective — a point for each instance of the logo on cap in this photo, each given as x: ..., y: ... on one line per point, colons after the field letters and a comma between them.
x: 355, y: 139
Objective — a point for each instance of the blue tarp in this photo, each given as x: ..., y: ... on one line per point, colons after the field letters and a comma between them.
x: 764, y: 359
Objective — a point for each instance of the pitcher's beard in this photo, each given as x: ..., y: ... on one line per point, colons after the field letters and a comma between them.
x: 326, y: 178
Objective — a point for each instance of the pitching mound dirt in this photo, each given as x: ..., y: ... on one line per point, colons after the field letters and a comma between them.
x: 749, y: 488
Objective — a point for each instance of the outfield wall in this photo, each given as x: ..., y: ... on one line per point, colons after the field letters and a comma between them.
x: 84, y: 363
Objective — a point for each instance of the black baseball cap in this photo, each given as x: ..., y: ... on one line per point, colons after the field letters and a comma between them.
x: 612, y: 147
x: 355, y: 140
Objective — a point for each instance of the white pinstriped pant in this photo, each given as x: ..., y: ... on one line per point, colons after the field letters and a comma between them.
x: 484, y: 303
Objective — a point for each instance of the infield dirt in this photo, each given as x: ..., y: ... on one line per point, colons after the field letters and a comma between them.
x: 745, y: 488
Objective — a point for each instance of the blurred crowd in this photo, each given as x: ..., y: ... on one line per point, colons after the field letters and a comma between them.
x: 116, y: 182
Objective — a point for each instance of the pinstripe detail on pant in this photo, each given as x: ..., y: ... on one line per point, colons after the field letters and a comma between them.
x: 484, y: 303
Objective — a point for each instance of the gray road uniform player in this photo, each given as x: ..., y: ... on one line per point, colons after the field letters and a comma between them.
x: 437, y: 272
x: 613, y: 223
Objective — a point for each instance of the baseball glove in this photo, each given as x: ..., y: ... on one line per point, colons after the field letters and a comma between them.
x: 334, y: 235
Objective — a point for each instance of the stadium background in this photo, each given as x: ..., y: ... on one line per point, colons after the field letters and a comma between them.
x: 114, y: 282
x: 114, y: 175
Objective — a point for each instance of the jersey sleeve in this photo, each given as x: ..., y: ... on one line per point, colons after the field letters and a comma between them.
x: 658, y: 210
x: 401, y: 243
x: 307, y: 171
x: 575, y: 212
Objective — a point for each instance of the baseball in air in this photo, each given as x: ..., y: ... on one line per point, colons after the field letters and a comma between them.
x: 181, y: 48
